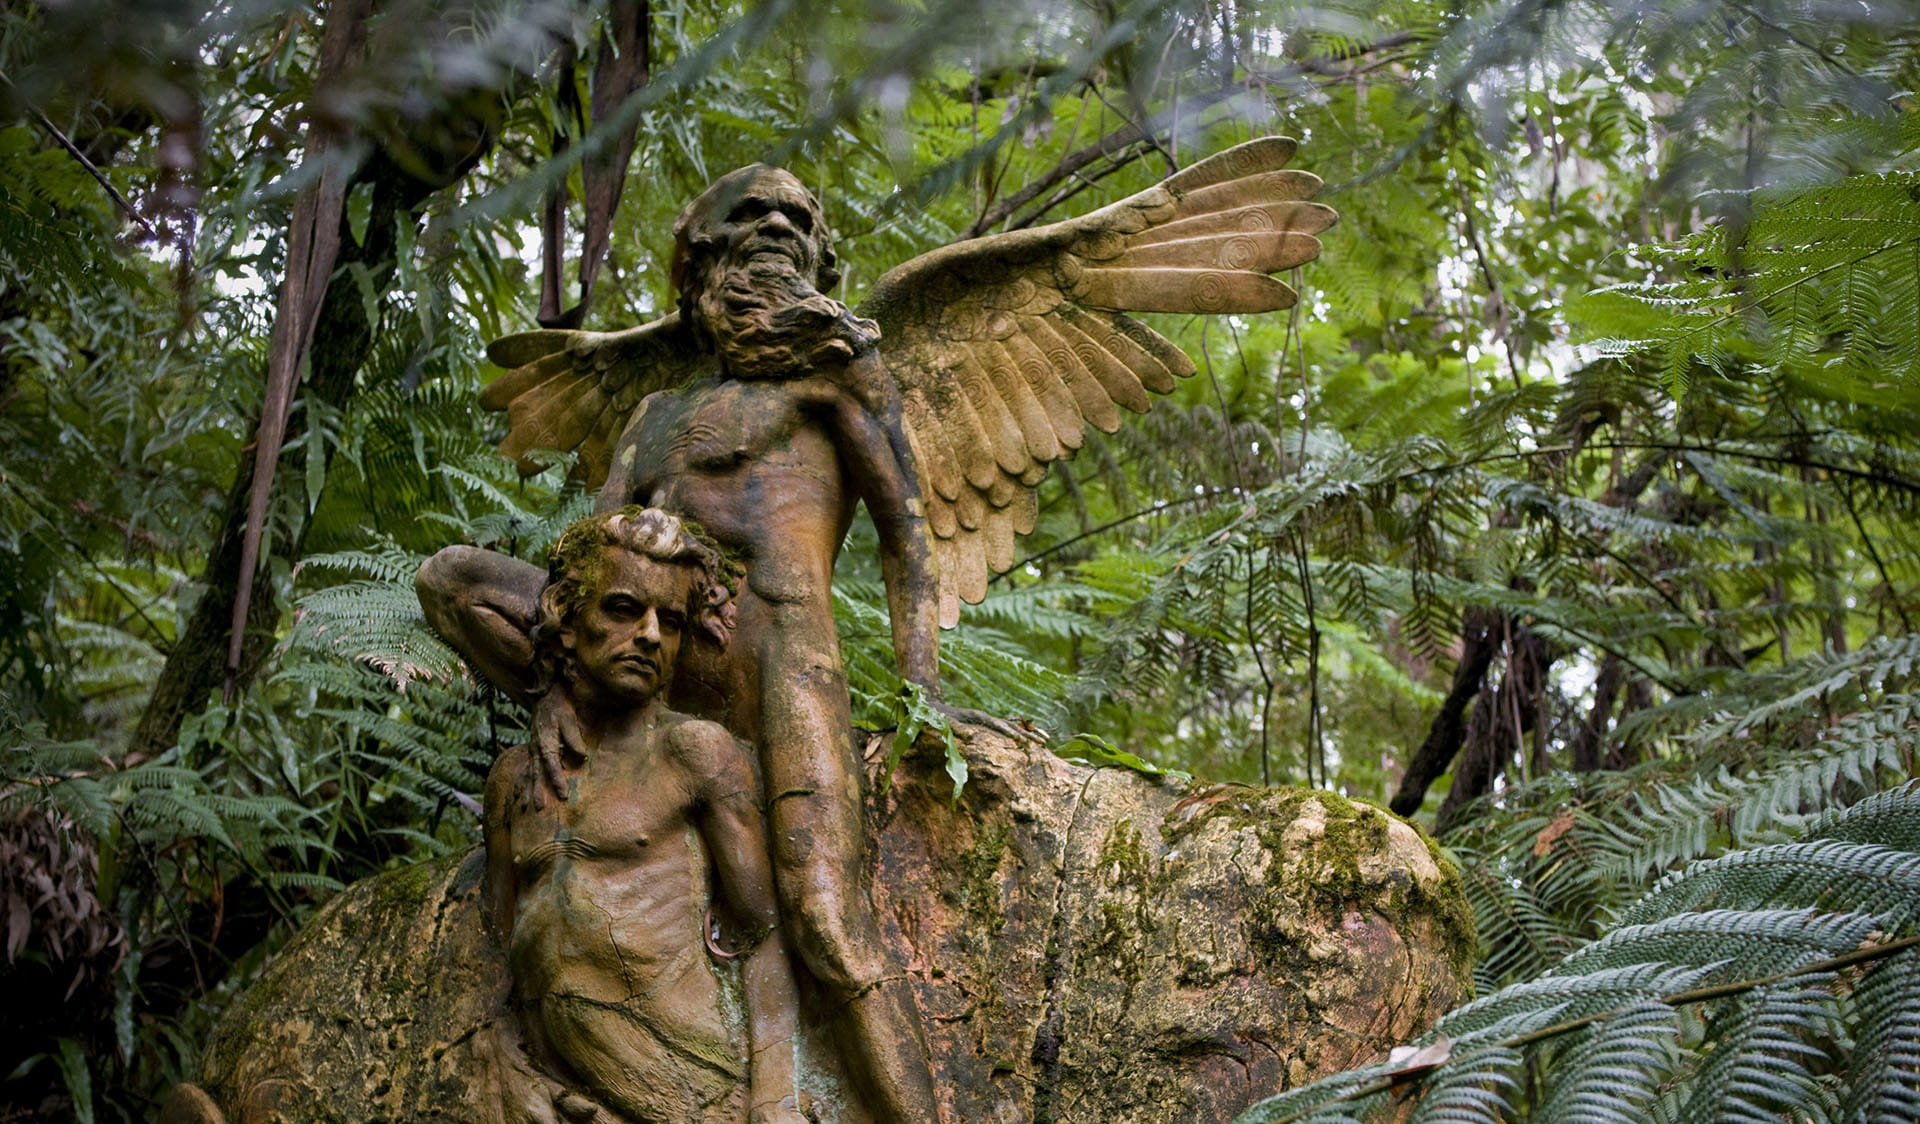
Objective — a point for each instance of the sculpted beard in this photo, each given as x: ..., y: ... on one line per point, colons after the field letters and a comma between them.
x: 766, y: 319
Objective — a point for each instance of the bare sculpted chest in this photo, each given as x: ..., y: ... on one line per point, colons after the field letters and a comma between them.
x: 608, y: 884
x: 726, y: 451
x: 620, y: 808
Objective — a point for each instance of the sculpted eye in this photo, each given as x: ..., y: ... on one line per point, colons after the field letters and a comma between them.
x: 800, y: 217
x: 620, y: 608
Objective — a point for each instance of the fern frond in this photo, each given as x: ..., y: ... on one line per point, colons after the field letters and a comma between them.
x: 1821, y: 874
x: 1608, y: 1073
x: 1882, y: 1077
x: 1761, y: 1068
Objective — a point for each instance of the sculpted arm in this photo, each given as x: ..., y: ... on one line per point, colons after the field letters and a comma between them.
x: 496, y: 818
x: 734, y: 829
x: 485, y: 605
x: 870, y: 432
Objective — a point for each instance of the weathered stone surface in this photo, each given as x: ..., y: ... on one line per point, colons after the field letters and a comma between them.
x: 1087, y: 945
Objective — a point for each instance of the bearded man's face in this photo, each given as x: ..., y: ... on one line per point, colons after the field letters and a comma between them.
x: 772, y: 217
x: 752, y: 262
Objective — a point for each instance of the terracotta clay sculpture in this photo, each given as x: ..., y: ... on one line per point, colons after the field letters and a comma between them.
x: 599, y: 891
x: 765, y: 411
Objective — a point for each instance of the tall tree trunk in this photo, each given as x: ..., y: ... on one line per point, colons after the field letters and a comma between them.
x: 1588, y: 738
x: 1479, y: 637
x: 622, y: 69
x: 1500, y: 722
x: 342, y: 336
x: 1621, y: 754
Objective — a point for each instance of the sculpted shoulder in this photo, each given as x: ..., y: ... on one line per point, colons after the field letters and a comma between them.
x: 504, y: 777
x: 709, y: 753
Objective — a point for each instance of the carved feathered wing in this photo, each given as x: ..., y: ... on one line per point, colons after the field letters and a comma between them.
x: 1008, y: 347
x: 571, y: 390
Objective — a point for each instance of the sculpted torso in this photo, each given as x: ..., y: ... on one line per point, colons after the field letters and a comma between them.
x: 610, y: 887
x: 751, y: 461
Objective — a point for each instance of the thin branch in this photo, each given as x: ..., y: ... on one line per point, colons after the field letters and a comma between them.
x: 1873, y: 552
x: 1316, y: 735
x: 1500, y: 325
x: 1900, y: 482
x: 1106, y: 147
x: 1103, y: 528
x: 1081, y: 182
x: 73, y: 150
x: 1763, y: 21
x: 159, y: 641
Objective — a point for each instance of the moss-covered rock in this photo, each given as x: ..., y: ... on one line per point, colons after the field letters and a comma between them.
x: 1087, y: 945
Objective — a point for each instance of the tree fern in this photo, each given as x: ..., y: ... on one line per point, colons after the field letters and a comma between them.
x: 1804, y: 967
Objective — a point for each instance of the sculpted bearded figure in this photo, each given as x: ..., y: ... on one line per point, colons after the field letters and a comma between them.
x: 765, y: 411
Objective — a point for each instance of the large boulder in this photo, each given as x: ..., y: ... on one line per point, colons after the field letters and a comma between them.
x: 1087, y: 945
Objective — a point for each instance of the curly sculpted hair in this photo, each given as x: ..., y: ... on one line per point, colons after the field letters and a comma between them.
x: 572, y: 574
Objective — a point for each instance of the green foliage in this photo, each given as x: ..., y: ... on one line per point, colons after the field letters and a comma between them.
x: 1792, y: 995
x: 1819, y: 279
x: 1613, y: 348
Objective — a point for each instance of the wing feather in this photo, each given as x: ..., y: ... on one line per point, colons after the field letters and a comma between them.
x: 543, y: 421
x: 1049, y: 387
x: 1004, y: 438
x: 970, y: 509
x: 1018, y: 394
x: 524, y: 348
x: 1051, y: 336
x: 497, y: 394
x: 1252, y: 158
x: 568, y: 390
x: 1265, y: 252
x: 969, y: 554
x: 1026, y: 510
x: 1266, y: 187
x: 1131, y: 347
x: 998, y: 534
x: 1171, y: 359
x: 950, y: 409
x: 1090, y: 339
x: 942, y: 517
x: 1183, y: 290
x: 930, y: 448
x: 1008, y: 347
x: 1260, y: 218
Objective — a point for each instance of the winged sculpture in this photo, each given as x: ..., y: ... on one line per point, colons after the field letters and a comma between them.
x: 764, y: 412
x: 1006, y: 348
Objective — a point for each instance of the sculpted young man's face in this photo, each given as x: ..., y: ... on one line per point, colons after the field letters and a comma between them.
x: 625, y: 637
